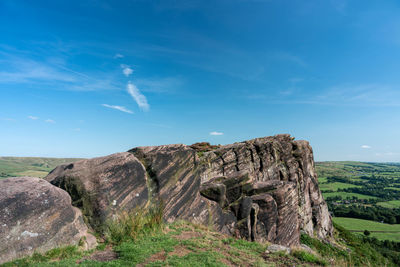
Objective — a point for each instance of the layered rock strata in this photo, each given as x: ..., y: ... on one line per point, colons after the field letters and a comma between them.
x: 263, y: 189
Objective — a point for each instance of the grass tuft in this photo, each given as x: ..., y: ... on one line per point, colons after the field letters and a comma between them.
x: 129, y: 225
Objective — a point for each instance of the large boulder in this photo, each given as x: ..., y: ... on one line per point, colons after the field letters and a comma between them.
x: 104, y: 185
x: 37, y: 216
x: 264, y: 189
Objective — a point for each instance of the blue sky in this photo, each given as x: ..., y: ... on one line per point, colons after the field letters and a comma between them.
x: 89, y: 78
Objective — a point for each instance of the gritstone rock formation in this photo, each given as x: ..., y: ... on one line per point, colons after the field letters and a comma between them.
x: 263, y: 189
x: 37, y: 216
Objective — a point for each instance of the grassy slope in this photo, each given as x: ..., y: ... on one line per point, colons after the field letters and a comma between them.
x: 178, y: 244
x: 185, y: 244
x: 37, y: 167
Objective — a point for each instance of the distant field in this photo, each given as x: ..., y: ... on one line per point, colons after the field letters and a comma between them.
x: 393, y: 188
x: 344, y: 195
x: 386, y: 231
x: 335, y: 186
x: 356, y: 169
x: 390, y: 204
x: 37, y: 167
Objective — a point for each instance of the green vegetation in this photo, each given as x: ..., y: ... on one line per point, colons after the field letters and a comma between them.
x: 37, y: 167
x: 378, y: 230
x: 335, y: 186
x: 361, y: 190
x: 390, y: 204
x: 129, y: 225
x: 187, y: 244
x: 347, y: 196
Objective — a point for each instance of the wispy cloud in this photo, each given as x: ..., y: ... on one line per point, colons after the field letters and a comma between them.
x: 286, y: 56
x: 362, y: 94
x: 33, y: 118
x: 365, y: 147
x: 216, y: 133
x: 118, y: 55
x: 140, y: 99
x: 159, y: 85
x: 126, y: 70
x: 27, y: 71
x: 7, y: 119
x: 120, y: 108
x: 51, y: 72
x: 50, y: 121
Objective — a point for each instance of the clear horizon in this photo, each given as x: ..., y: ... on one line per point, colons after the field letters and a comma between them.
x: 91, y: 78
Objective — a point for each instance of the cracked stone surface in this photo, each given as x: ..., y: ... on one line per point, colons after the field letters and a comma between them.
x: 37, y: 216
x: 260, y: 189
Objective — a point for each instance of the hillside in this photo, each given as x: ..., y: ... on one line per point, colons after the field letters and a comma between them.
x: 29, y: 166
x: 364, y: 198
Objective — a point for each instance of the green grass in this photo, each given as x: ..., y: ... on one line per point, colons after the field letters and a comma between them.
x: 393, y: 188
x: 344, y: 195
x: 335, y: 186
x: 308, y: 257
x: 186, y: 244
x: 390, y: 231
x: 177, y: 244
x: 37, y: 167
x: 390, y: 204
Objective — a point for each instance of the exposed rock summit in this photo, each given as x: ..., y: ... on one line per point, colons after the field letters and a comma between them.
x: 261, y: 189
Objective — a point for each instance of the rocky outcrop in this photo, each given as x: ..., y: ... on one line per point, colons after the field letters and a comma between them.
x: 37, y: 216
x: 263, y: 189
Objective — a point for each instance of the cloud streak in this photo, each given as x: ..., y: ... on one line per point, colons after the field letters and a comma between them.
x: 139, y: 98
x: 33, y: 118
x: 216, y: 133
x: 50, y: 121
x: 120, y: 108
x: 365, y: 147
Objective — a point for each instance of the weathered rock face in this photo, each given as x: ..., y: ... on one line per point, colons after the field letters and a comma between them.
x: 102, y: 186
x: 261, y: 189
x: 37, y: 216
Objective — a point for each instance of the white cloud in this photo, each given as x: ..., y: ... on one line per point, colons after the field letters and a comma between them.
x: 365, y: 146
x: 137, y: 96
x: 126, y: 70
x: 33, y: 118
x: 120, y: 108
x: 118, y: 55
x: 50, y: 121
x: 216, y: 133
